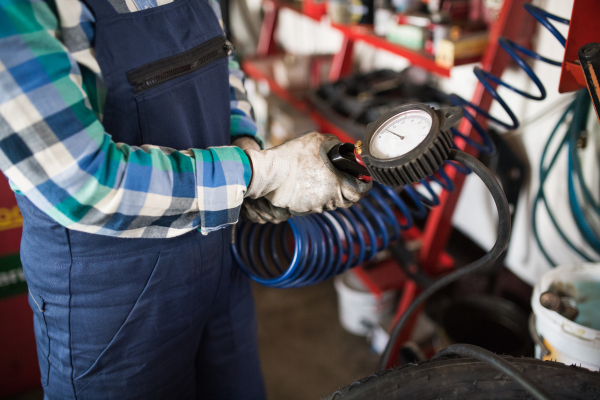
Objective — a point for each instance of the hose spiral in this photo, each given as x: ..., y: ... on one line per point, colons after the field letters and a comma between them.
x: 307, y: 250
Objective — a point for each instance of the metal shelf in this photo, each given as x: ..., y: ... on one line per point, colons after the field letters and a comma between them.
x: 365, y: 34
x: 258, y: 69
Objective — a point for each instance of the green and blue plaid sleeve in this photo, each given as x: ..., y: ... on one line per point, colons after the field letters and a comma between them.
x: 55, y: 151
x: 242, y: 116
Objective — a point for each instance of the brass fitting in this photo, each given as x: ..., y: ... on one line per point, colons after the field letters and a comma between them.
x: 358, y: 146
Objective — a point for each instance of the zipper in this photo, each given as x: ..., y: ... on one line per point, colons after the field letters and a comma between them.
x: 163, y: 70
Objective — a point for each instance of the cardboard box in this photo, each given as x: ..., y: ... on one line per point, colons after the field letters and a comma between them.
x: 470, y: 46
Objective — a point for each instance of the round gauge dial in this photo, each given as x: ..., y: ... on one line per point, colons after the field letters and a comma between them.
x: 400, y: 134
x: 408, y: 143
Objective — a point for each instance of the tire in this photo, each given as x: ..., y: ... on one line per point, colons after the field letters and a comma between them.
x: 468, y: 378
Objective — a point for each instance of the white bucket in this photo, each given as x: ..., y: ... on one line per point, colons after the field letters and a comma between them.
x: 358, y: 308
x: 567, y: 341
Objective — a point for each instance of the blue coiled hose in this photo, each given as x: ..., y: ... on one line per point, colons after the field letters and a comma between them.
x: 310, y: 249
x: 326, y: 244
x: 488, y: 81
x: 579, y: 107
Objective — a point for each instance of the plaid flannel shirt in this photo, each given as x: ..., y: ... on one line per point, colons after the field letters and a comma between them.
x: 54, y: 150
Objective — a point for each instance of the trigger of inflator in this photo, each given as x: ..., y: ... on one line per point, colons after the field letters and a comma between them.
x: 346, y: 158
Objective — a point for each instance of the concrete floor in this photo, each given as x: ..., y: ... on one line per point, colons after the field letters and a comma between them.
x: 305, y: 353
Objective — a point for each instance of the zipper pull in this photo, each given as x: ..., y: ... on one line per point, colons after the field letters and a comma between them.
x: 229, y: 48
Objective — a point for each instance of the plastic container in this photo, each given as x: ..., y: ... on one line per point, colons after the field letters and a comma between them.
x: 558, y: 338
x: 359, y: 309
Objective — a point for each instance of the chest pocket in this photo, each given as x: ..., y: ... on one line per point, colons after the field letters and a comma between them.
x: 183, y: 100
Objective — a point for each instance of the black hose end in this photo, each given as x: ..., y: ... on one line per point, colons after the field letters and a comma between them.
x: 589, y: 52
x: 589, y: 57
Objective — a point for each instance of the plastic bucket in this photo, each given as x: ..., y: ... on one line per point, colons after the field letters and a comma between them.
x: 558, y: 338
x: 359, y: 309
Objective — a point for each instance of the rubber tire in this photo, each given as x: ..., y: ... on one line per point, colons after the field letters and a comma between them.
x: 468, y: 378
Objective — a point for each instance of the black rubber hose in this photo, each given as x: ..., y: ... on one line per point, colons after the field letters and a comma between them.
x: 499, y: 247
x: 468, y: 350
x: 406, y: 261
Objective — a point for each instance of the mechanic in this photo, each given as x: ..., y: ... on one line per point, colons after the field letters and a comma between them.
x: 116, y: 125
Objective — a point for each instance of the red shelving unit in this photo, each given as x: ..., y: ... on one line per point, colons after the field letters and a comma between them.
x: 258, y: 67
x: 365, y: 34
x: 259, y: 70
x: 387, y: 275
x: 431, y: 242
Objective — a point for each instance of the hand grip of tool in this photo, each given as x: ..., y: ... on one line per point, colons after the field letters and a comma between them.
x: 346, y: 158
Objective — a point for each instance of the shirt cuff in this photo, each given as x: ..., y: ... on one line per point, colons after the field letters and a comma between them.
x: 222, y: 179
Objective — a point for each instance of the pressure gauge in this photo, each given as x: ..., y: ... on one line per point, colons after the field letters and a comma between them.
x: 400, y: 134
x: 402, y: 146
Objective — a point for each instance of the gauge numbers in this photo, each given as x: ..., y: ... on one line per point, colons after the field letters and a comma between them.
x: 400, y: 134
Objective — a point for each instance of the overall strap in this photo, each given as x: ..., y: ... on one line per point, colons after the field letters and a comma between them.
x: 101, y: 8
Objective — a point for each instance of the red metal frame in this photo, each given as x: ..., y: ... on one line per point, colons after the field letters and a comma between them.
x: 514, y: 23
x: 581, y: 32
x: 259, y: 71
x: 254, y: 69
x: 365, y: 34
x: 351, y: 34
x: 11, y: 221
x: 266, y: 41
x: 410, y: 290
x: 342, y: 61
x: 19, y: 369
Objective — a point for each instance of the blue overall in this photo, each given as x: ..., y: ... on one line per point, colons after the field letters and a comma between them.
x: 146, y: 318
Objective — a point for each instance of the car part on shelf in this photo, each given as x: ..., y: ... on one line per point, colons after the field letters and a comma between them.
x: 356, y: 101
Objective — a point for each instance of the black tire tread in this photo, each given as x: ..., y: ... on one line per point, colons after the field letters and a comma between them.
x: 468, y: 378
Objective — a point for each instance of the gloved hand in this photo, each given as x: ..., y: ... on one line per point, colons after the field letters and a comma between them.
x: 297, y: 178
x: 259, y: 210
x: 262, y: 211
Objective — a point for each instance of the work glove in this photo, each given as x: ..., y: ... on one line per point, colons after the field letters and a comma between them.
x: 297, y: 178
x: 262, y: 211
x: 259, y: 210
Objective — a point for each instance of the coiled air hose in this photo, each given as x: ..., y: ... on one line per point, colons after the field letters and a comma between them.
x: 488, y: 81
x: 310, y: 249
x: 580, y: 109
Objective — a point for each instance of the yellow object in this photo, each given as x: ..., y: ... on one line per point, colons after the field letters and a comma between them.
x: 358, y: 146
x: 448, y: 51
x: 10, y: 218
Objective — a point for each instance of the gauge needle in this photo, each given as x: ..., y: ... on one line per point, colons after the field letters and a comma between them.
x: 397, y: 134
